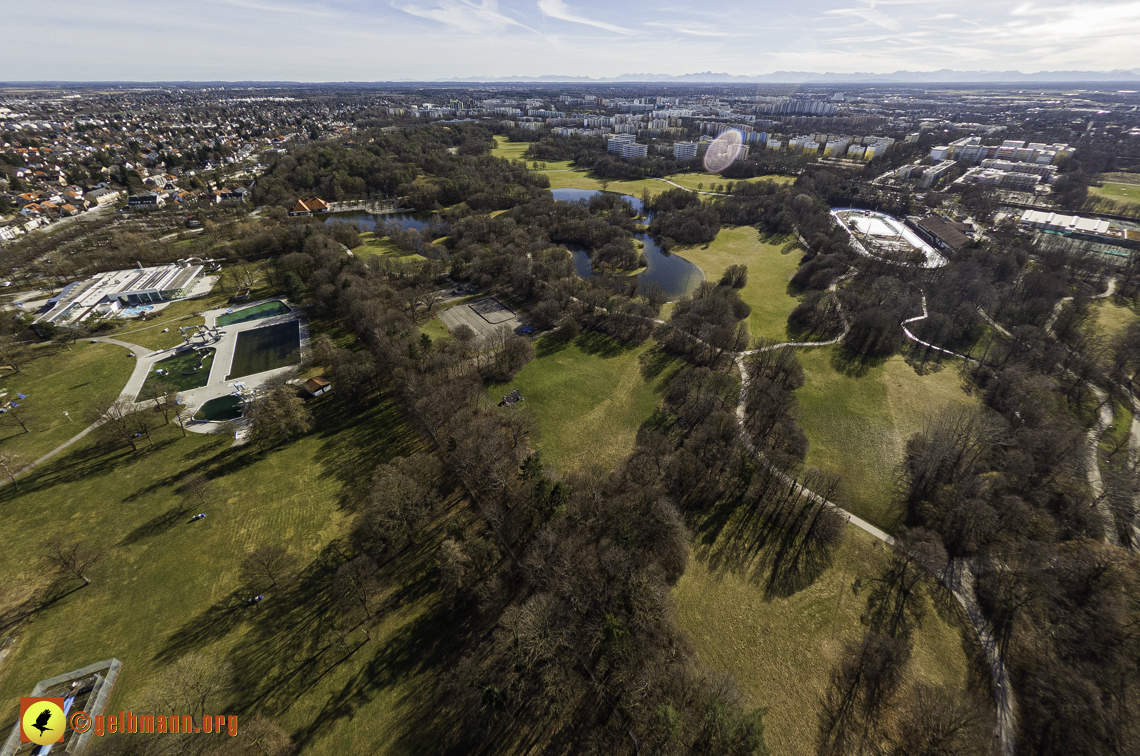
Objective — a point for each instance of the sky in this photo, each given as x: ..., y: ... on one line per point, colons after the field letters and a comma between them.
x: 394, y: 40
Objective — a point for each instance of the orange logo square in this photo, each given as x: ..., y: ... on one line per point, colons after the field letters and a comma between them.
x: 42, y: 720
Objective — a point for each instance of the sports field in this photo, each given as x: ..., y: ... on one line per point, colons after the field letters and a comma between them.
x: 265, y: 348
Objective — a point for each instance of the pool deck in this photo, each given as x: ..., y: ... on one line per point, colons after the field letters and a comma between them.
x: 216, y: 384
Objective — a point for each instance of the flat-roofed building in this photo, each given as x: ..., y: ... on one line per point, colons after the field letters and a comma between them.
x: 107, y: 293
x: 684, y: 150
x: 634, y: 150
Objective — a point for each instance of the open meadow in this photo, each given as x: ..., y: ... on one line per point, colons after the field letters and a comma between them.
x: 59, y: 383
x: 1112, y: 315
x: 166, y: 587
x: 782, y: 648
x: 769, y: 270
x: 588, y: 398
x: 858, y: 417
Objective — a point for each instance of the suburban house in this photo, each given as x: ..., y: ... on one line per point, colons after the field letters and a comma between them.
x: 146, y: 200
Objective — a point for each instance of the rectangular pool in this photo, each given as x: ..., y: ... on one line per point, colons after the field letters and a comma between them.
x: 266, y: 348
x: 257, y: 312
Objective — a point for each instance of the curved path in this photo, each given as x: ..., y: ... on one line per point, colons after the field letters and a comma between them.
x: 959, y: 579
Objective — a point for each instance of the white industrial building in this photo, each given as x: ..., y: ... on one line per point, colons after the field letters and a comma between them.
x: 108, y: 293
x: 1067, y: 224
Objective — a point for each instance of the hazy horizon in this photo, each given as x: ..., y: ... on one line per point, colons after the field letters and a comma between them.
x: 448, y: 40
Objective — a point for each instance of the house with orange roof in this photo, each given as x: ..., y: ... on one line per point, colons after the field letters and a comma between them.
x: 309, y: 206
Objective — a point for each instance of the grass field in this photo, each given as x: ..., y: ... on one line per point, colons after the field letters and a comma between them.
x: 382, y: 247
x: 265, y: 348
x: 185, y: 371
x: 56, y: 381
x: 858, y: 419
x: 509, y: 150
x: 769, y: 271
x: 782, y: 649
x: 708, y: 180
x: 588, y: 397
x: 165, y: 587
x: 1113, y: 190
x: 1111, y: 318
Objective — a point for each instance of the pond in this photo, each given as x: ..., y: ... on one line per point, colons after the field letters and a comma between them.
x: 676, y: 275
x: 369, y: 221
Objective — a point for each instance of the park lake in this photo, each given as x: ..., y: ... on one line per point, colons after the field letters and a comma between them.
x: 676, y: 275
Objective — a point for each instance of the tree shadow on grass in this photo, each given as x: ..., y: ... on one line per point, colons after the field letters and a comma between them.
x: 852, y: 364
x: 654, y: 362
x: 207, y: 628
x: 548, y: 345
x: 601, y: 345
x: 157, y: 526
x: 358, y: 440
x: 82, y: 463
x: 739, y: 539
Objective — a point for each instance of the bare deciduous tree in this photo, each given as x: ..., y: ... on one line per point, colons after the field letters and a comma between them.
x: 266, y: 563
x: 73, y: 557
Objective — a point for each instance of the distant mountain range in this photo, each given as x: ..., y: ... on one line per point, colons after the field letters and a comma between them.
x: 942, y: 76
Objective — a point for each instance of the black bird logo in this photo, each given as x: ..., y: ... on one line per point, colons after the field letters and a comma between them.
x: 42, y: 721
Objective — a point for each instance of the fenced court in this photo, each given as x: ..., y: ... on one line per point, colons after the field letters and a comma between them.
x: 492, y: 310
x: 266, y: 348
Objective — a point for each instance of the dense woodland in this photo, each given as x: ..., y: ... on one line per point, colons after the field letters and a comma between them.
x: 561, y: 587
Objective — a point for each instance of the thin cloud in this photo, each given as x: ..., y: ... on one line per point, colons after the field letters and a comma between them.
x: 484, y: 18
x: 695, y: 30
x: 563, y: 12
x: 870, y: 15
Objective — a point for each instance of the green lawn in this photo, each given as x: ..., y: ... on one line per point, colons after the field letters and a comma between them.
x: 588, y: 397
x: 381, y: 247
x: 1113, y: 190
x: 858, y: 419
x: 185, y: 371
x: 56, y: 381
x: 509, y: 150
x: 782, y: 649
x: 769, y: 271
x: 1111, y: 318
x: 691, y: 180
x: 166, y: 587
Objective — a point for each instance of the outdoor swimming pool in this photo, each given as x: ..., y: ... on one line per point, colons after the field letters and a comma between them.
x: 257, y: 312
x: 135, y: 310
x: 219, y: 409
x: 266, y: 348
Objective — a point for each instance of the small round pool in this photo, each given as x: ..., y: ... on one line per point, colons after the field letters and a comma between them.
x: 220, y: 409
